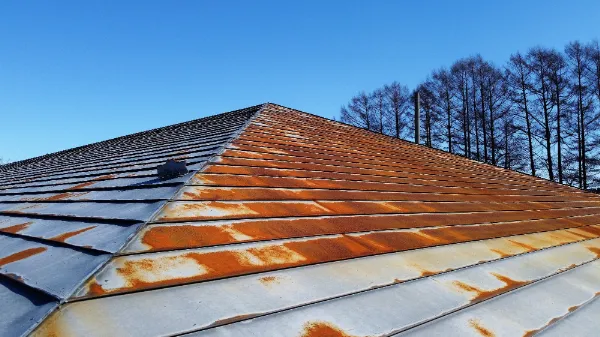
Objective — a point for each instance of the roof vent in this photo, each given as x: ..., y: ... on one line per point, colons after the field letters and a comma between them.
x: 171, y: 169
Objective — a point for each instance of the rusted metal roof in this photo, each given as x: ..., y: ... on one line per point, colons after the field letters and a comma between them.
x: 63, y: 215
x: 306, y: 227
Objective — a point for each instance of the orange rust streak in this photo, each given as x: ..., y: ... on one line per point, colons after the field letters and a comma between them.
x: 59, y: 196
x: 82, y: 185
x: 475, y: 324
x: 292, y: 254
x: 594, y: 250
x: 523, y: 245
x: 482, y: 295
x: 186, y: 236
x: 63, y: 237
x: 21, y: 255
x: 88, y: 183
x: 323, y: 329
x: 268, y: 280
x: 193, y: 211
x: 182, y: 236
x: 16, y: 228
x: 218, y: 193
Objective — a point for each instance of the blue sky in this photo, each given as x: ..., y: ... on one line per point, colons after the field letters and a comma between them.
x: 76, y: 72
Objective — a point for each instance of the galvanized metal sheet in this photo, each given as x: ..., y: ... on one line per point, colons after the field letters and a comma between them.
x: 146, y: 271
x: 116, y: 211
x: 581, y: 321
x: 403, y: 306
x: 55, y: 270
x: 553, y: 298
x: 120, y: 183
x: 105, y: 174
x: 206, y: 193
x: 315, y: 228
x: 154, y: 193
x: 209, y: 210
x: 22, y: 308
x: 61, y: 212
x: 220, y: 302
x: 235, y: 180
x: 156, y: 237
x: 97, y: 235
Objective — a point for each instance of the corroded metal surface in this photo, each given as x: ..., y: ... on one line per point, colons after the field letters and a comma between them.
x: 63, y: 215
x: 308, y: 227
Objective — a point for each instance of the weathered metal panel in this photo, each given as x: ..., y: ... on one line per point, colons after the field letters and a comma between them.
x: 157, y: 237
x: 22, y: 307
x: 206, y: 193
x: 55, y: 270
x: 97, y: 235
x: 63, y: 215
x: 306, y: 227
x: 220, y: 302
x: 568, y: 290
x: 145, y: 271
x: 211, y: 210
x: 154, y: 193
x: 582, y: 321
x: 116, y: 211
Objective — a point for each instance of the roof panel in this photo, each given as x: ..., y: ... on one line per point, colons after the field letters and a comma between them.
x: 63, y: 215
x: 308, y: 227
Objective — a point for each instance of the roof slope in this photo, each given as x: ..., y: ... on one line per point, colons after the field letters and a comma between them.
x: 63, y: 215
x: 308, y: 227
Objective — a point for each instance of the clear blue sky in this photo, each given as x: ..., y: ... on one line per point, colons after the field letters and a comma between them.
x: 76, y: 72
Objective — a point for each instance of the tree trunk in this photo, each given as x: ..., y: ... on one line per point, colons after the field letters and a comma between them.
x: 528, y: 122
x: 449, y: 113
x: 559, y: 136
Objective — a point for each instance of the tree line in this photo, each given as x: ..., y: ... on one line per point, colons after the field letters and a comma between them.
x: 538, y: 113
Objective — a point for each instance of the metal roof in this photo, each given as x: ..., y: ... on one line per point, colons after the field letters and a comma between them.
x: 63, y: 215
x: 301, y: 226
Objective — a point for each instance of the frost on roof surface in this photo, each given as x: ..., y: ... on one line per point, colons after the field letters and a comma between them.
x: 64, y: 214
x: 308, y: 227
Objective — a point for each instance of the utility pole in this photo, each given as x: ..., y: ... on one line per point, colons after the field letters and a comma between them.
x: 417, y: 118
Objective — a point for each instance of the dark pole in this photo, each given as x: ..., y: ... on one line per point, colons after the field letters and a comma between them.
x: 417, y: 118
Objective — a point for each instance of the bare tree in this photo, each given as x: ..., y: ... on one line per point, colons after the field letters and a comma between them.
x: 398, y: 102
x: 519, y: 79
x: 359, y: 111
x: 559, y: 90
x: 444, y: 91
x: 579, y: 67
x: 539, y: 63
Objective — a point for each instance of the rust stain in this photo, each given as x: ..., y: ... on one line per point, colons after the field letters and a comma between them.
x: 93, y: 181
x: 14, y: 277
x: 183, y: 236
x: 21, y: 255
x: 476, y: 324
x: 323, y: 329
x: 63, y: 237
x: 232, y: 320
x: 298, y: 253
x: 481, y: 295
x: 82, y: 185
x: 501, y: 253
x: 16, y: 228
x: 268, y: 280
x: 532, y: 333
x: 154, y: 272
x: 59, y: 196
x: 525, y: 246
x: 594, y: 250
